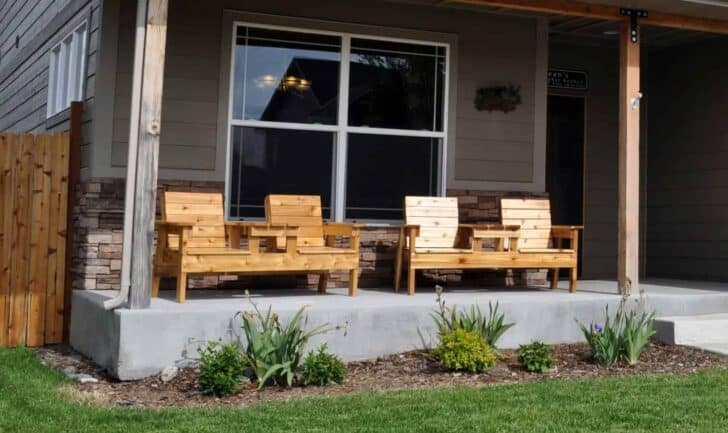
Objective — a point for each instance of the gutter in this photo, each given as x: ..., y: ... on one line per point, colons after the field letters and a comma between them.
x: 131, y: 165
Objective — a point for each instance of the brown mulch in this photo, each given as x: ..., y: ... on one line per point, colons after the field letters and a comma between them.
x: 406, y: 371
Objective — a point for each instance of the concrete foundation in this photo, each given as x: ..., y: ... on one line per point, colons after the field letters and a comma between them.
x: 134, y: 344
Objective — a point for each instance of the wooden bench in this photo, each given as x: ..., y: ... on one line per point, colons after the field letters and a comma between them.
x: 195, y: 239
x: 316, y: 248
x: 433, y: 238
x: 542, y: 245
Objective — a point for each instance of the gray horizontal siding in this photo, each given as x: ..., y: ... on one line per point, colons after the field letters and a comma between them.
x: 491, y: 49
x: 191, y: 84
x: 24, y: 70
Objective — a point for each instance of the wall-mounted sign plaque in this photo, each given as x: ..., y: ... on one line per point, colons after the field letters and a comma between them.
x: 570, y: 80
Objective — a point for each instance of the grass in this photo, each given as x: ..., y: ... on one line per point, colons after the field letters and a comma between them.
x: 30, y: 402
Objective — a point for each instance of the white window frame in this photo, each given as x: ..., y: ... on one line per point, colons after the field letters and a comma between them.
x: 67, y: 70
x: 341, y: 129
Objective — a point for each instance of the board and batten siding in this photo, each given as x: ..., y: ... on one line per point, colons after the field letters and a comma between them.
x: 488, y: 151
x: 24, y: 69
x: 687, y: 185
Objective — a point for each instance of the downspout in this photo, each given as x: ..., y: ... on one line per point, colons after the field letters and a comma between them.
x: 131, y: 165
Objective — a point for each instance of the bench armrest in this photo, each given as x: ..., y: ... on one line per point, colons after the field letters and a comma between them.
x: 564, y: 232
x: 171, y: 224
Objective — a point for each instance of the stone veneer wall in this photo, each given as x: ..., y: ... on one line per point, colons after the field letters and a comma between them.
x: 98, y: 232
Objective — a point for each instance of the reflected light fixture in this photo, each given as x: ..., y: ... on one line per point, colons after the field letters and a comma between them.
x: 267, y: 80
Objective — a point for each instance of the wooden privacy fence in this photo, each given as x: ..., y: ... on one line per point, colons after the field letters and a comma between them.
x: 34, y: 253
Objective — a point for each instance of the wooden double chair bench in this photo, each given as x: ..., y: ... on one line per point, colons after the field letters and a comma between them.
x: 195, y: 239
x: 433, y: 238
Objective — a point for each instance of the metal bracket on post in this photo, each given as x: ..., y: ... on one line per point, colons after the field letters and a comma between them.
x: 634, y: 16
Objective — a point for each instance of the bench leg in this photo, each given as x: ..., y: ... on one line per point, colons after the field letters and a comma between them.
x: 410, y: 280
x: 323, y: 282
x: 182, y: 287
x: 573, y: 274
x: 554, y: 278
x: 156, y: 279
x: 353, y: 281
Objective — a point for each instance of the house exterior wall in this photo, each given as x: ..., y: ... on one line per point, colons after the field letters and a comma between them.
x: 37, y: 26
x: 599, y: 258
x: 687, y: 183
x: 489, y: 151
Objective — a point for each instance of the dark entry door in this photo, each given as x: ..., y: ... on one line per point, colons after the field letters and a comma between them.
x: 565, y: 160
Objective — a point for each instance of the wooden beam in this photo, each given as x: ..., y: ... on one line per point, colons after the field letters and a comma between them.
x: 145, y: 194
x: 604, y: 12
x: 629, y: 160
x: 561, y: 7
x: 685, y: 23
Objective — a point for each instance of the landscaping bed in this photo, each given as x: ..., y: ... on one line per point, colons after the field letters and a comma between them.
x: 406, y: 371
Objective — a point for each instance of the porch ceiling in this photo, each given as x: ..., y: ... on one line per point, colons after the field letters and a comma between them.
x: 714, y: 9
x: 591, y: 31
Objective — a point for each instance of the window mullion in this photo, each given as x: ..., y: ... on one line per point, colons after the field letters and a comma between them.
x: 339, y: 196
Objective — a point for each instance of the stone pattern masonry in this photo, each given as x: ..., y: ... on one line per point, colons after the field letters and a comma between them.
x: 98, y: 231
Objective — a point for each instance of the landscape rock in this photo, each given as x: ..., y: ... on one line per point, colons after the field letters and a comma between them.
x: 83, y: 378
x: 169, y: 373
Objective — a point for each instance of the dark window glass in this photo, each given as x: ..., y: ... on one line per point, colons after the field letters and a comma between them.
x: 286, y: 76
x: 278, y: 161
x: 396, y: 85
x: 382, y: 170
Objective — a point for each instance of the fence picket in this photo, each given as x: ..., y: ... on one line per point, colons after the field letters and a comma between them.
x: 7, y: 158
x: 34, y: 181
x: 18, y: 308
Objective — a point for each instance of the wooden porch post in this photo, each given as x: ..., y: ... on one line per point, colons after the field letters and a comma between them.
x: 629, y: 158
x: 145, y: 192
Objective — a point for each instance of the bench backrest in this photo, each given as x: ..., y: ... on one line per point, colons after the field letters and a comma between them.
x: 437, y: 218
x: 303, y: 211
x: 534, y: 217
x: 203, y: 210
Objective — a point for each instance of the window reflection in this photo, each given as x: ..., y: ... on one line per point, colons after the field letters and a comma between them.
x: 278, y: 161
x: 382, y: 170
x: 395, y: 85
x: 286, y: 77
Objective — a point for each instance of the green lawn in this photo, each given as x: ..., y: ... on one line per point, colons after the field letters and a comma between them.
x: 30, y: 402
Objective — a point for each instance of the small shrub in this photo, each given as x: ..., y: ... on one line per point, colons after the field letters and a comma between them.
x: 625, y: 336
x: 323, y: 368
x: 604, y: 341
x: 536, y: 357
x: 490, y: 327
x: 464, y: 350
x: 222, y: 368
x: 636, y: 335
x: 274, y: 351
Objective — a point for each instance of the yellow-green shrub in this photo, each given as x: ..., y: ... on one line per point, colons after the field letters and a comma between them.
x: 464, y: 350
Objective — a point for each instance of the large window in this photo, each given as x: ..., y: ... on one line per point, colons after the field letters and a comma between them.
x: 359, y: 121
x: 67, y: 68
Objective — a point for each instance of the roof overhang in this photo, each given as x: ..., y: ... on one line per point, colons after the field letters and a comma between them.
x: 699, y: 15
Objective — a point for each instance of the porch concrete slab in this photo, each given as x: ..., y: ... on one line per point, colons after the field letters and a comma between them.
x: 693, y: 330
x: 720, y: 349
x: 133, y: 344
